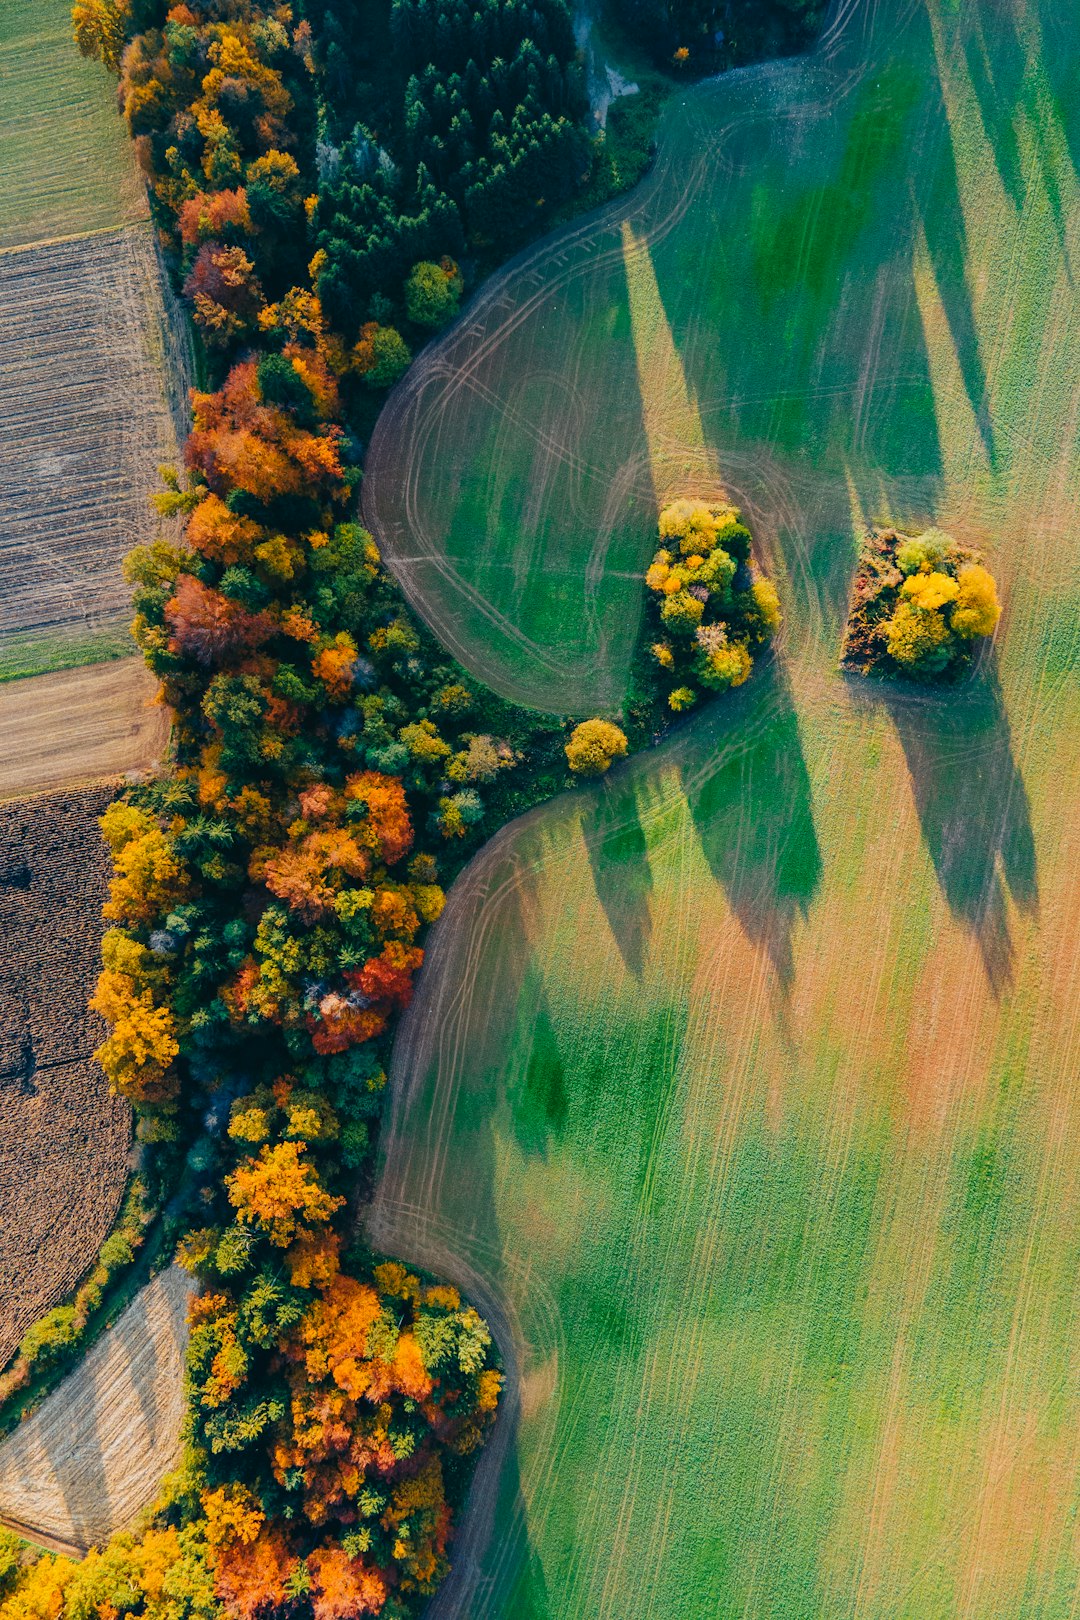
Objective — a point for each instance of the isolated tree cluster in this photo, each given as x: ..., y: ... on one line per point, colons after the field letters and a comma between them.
x: 920, y: 606
x: 712, y: 607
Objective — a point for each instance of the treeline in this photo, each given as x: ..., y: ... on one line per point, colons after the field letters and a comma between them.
x: 269, y: 898
x: 359, y: 136
x: 705, y: 36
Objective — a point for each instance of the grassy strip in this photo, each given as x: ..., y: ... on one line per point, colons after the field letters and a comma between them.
x: 24, y: 656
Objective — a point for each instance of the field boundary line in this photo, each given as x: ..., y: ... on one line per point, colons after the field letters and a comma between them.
x: 41, y: 1538
x: 77, y: 236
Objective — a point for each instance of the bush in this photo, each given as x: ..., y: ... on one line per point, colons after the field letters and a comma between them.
x: 50, y: 1339
x: 592, y: 747
x: 977, y: 609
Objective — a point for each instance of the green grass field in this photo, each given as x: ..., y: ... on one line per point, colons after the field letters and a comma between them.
x: 742, y: 1090
x: 65, y: 159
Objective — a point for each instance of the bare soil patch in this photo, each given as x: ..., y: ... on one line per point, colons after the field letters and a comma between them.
x: 78, y: 725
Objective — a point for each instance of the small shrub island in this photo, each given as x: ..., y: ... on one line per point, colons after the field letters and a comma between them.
x: 712, y: 608
x: 919, y: 607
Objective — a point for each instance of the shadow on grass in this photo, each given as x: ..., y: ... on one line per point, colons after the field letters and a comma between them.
x: 971, y: 801
x: 619, y: 859
x: 748, y: 792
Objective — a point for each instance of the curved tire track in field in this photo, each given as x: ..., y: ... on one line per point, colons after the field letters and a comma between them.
x: 432, y: 1039
x: 434, y: 1030
x: 788, y: 501
x: 416, y: 424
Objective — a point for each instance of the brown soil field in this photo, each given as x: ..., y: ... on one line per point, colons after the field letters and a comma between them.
x: 93, y: 1455
x: 78, y: 725
x: 63, y: 1139
x: 86, y: 418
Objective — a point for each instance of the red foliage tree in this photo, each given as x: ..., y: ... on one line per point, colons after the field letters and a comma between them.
x: 387, y: 978
x: 239, y: 442
x: 251, y: 1576
x: 214, y: 215
x: 210, y: 627
x: 344, y: 1588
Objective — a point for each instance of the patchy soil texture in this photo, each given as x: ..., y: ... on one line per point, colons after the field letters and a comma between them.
x: 63, y: 1139
x: 93, y: 1455
x: 94, y: 362
x: 742, y: 1089
x: 85, y: 420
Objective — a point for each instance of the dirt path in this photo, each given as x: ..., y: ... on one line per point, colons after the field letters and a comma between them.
x: 93, y: 1456
x: 79, y: 725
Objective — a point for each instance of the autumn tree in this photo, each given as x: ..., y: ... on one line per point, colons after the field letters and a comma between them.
x: 100, y: 28
x: 280, y: 1192
x: 713, y: 608
x: 593, y: 745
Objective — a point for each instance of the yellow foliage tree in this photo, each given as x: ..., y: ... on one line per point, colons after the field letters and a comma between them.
x: 147, y: 873
x: 280, y: 1192
x: 917, y: 635
x: 977, y: 609
x: 142, y: 1043
x: 930, y: 592
x: 99, y: 27
x: 593, y: 745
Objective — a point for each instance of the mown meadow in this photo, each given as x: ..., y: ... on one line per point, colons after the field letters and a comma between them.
x: 63, y: 152
x: 740, y: 1091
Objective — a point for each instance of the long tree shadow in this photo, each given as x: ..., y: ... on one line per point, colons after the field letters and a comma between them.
x: 972, y: 805
x: 748, y: 790
x: 619, y: 859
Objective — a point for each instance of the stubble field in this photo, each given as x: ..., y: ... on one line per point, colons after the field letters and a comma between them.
x: 92, y: 1457
x: 741, y: 1090
x: 84, y: 424
x: 94, y: 360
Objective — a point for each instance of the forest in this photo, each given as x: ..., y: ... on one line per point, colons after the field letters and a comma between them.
x: 332, y: 769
